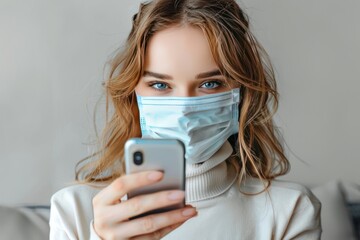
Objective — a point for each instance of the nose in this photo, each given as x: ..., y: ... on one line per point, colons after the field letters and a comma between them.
x: 185, y: 92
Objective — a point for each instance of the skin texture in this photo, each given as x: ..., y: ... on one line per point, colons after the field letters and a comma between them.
x: 178, y: 62
x: 181, y: 54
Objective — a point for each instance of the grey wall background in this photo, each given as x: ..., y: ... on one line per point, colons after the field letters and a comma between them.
x: 52, y: 56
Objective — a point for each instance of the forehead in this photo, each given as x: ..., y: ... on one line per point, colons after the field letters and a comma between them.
x: 179, y: 48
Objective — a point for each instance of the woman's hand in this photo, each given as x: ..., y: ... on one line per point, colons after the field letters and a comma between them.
x: 111, y: 216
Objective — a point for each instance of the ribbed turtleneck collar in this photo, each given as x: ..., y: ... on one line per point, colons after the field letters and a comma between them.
x: 211, y: 178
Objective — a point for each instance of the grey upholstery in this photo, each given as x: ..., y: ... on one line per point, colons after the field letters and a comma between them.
x: 24, y: 223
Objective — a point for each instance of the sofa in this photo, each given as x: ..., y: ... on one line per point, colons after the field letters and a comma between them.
x: 24, y: 222
x: 340, y: 210
x: 340, y: 215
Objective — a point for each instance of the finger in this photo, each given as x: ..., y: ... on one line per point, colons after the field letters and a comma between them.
x: 124, y: 184
x: 154, y: 222
x: 158, y: 234
x: 145, y: 203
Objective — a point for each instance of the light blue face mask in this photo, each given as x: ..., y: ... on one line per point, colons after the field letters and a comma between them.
x: 203, y: 123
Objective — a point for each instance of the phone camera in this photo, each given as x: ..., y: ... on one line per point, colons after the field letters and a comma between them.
x: 138, y: 158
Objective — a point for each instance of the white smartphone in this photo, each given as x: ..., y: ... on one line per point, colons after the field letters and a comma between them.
x: 166, y: 155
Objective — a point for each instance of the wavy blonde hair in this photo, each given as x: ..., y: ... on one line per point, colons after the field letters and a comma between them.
x: 240, y: 58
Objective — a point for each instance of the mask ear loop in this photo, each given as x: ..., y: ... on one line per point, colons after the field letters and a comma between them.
x: 240, y: 101
x: 134, y: 106
x: 233, y: 139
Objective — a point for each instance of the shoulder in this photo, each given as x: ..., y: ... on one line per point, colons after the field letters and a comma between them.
x: 73, y: 200
x: 71, y: 211
x: 77, y: 192
x: 279, y: 189
x: 297, y: 196
x: 287, y: 198
x: 291, y: 188
x: 295, y: 207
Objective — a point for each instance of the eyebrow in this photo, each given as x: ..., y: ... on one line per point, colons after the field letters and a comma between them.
x: 168, y: 77
x: 209, y: 74
x: 157, y: 75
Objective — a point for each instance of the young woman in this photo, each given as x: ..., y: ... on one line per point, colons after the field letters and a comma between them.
x: 203, y: 53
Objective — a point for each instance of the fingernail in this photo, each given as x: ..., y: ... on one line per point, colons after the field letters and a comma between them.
x: 155, y: 176
x: 176, y: 195
x: 189, y: 212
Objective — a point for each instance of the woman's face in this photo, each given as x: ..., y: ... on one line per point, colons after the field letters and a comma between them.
x: 178, y: 62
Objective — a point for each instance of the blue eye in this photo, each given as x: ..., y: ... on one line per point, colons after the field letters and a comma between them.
x: 159, y: 86
x: 211, y: 84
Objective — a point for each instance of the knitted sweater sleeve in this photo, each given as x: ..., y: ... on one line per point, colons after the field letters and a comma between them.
x: 305, y: 221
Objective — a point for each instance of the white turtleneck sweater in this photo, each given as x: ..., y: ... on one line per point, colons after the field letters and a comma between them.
x: 284, y: 211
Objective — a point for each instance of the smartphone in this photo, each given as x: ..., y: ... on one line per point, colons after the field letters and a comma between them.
x: 166, y: 155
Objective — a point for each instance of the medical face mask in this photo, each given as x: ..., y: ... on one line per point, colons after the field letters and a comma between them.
x: 202, y: 123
